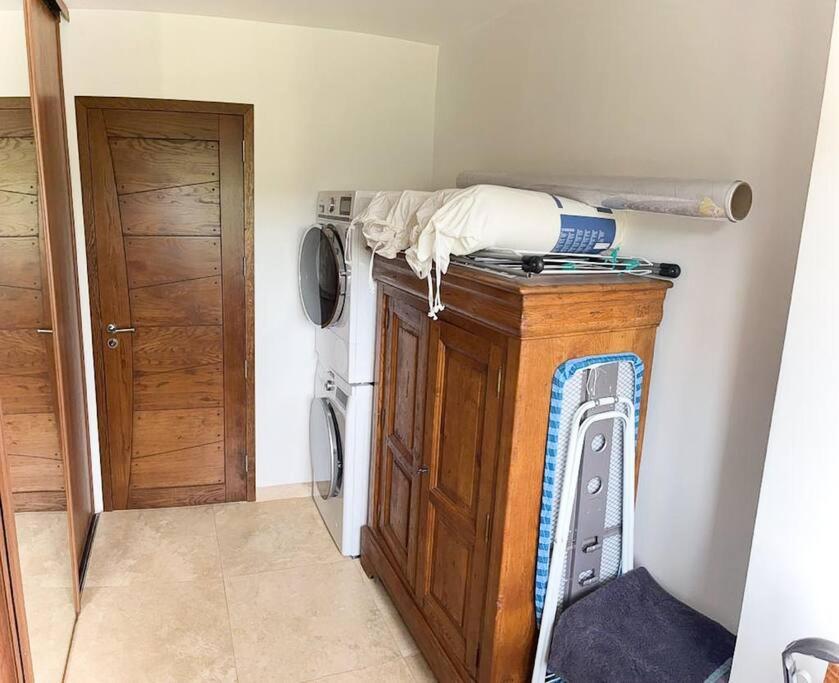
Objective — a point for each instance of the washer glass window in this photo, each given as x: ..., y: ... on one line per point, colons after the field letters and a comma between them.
x: 325, y: 446
x: 322, y: 275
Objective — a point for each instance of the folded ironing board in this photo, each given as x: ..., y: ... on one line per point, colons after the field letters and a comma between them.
x: 586, y: 520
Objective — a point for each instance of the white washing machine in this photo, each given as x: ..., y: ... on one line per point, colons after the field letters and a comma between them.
x: 340, y: 428
x: 335, y: 288
x: 337, y: 297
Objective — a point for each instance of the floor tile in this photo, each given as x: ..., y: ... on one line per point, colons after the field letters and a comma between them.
x: 404, y: 640
x: 44, y: 548
x: 307, y: 622
x: 153, y: 633
x: 50, y: 617
x: 419, y: 669
x: 168, y: 544
x: 44, y: 553
x: 277, y: 534
x: 396, y: 671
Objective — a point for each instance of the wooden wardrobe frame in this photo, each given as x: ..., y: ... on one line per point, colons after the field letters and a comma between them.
x: 83, y: 104
x: 43, y: 47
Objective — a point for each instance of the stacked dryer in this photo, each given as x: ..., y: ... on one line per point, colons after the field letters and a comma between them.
x: 338, y: 298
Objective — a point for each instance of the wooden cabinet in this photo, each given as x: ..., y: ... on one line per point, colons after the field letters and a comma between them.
x: 462, y: 409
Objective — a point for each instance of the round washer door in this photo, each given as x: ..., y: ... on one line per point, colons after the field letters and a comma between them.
x: 325, y: 448
x: 322, y: 275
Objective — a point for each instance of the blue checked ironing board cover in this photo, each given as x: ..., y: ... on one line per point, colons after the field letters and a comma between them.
x: 566, y: 392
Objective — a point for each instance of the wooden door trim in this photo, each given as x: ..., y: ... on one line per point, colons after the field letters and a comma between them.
x: 149, y: 104
x: 83, y: 104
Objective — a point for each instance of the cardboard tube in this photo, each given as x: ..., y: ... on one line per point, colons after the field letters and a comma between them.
x: 713, y: 199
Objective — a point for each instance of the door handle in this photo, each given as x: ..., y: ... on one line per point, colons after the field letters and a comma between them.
x: 43, y: 330
x: 422, y: 469
x: 113, y: 329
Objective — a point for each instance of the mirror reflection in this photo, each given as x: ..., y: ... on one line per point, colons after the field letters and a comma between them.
x: 27, y: 380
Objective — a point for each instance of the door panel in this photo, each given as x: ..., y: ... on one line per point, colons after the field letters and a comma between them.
x: 18, y: 167
x: 187, y: 388
x: 164, y: 349
x: 20, y: 263
x: 18, y: 214
x: 190, y: 210
x: 143, y: 164
x: 193, y: 302
x: 201, y: 464
x: 461, y: 442
x: 164, y: 260
x: 177, y: 125
x: 401, y: 447
x: 27, y: 378
x: 167, y: 193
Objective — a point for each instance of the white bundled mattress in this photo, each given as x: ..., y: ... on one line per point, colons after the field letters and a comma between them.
x: 431, y: 227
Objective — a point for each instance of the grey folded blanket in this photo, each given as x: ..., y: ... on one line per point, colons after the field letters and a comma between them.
x: 633, y: 631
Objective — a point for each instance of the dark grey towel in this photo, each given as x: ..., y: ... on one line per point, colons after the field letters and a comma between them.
x: 633, y: 631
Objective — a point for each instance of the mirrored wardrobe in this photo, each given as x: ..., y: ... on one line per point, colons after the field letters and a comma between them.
x: 44, y: 459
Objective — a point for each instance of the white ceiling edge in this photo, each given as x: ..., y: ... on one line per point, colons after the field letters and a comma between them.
x: 422, y: 21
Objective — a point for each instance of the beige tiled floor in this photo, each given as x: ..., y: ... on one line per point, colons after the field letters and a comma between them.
x: 249, y: 592
x: 44, y: 551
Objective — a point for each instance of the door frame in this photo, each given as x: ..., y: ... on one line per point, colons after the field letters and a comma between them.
x: 83, y: 104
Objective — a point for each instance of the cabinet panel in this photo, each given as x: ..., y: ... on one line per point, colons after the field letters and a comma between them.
x: 406, y: 341
x: 460, y: 452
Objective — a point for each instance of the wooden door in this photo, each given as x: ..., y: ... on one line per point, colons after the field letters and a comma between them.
x: 406, y: 343
x: 27, y: 377
x: 165, y: 204
x: 462, y: 414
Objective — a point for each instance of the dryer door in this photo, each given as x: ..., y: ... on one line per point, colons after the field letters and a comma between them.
x: 322, y: 275
x: 325, y: 448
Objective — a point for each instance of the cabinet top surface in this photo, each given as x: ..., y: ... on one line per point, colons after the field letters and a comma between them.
x: 537, y: 284
x: 539, y: 306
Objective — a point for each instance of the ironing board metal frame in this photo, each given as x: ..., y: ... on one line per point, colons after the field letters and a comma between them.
x: 571, y: 484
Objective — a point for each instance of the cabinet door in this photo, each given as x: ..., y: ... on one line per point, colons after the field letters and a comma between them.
x: 462, y: 417
x: 406, y: 350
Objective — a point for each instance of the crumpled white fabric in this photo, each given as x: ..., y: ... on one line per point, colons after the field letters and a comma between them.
x: 420, y: 255
x: 388, y: 222
x: 379, y: 234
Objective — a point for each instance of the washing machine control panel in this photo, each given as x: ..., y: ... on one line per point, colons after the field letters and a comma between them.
x: 337, y: 204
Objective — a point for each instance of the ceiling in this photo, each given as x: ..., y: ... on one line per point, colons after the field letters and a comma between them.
x: 425, y: 21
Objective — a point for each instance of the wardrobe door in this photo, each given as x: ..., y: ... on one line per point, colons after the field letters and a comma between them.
x: 406, y: 334
x: 47, y: 97
x: 461, y: 442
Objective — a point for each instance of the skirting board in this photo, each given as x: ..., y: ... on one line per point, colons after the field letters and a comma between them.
x: 283, y: 491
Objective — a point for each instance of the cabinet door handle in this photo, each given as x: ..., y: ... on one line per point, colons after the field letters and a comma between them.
x: 113, y: 329
x: 422, y: 469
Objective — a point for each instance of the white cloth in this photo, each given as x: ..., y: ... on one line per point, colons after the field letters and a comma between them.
x: 379, y: 234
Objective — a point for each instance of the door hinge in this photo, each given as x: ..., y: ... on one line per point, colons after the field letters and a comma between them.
x: 244, y: 266
x: 243, y: 151
x: 245, y: 458
x: 246, y: 368
x: 498, y: 385
x: 486, y: 529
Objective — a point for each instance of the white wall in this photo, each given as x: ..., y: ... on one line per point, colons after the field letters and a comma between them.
x: 685, y: 89
x: 792, y: 589
x: 324, y: 119
x: 14, y: 76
